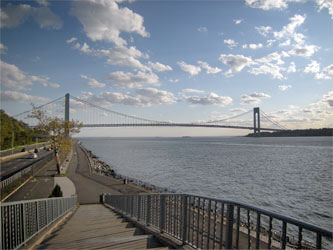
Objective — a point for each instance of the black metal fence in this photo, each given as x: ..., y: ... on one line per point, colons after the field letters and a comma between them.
x: 22, y: 220
x: 208, y: 223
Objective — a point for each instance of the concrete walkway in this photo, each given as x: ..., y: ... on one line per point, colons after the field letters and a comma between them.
x: 97, y: 227
x: 88, y: 185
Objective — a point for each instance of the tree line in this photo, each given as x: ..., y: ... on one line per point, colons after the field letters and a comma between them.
x: 14, y: 131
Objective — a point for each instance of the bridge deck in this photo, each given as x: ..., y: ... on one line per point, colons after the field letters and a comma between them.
x: 95, y: 226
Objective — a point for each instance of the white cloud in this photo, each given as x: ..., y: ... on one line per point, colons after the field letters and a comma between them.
x: 268, y: 69
x: 284, y: 87
x: 292, y: 67
x: 322, y: 76
x: 118, y: 55
x: 93, y: 82
x: 20, y: 97
x: 73, y: 39
x: 328, y: 99
x: 159, y: 67
x: 285, y: 43
x: 197, y: 91
x: 14, y: 78
x: 325, y: 102
x: 173, y: 80
x: 313, y: 67
x: 151, y: 96
x: 191, y: 69
x: 328, y: 4
x: 50, y: 84
x: 210, y: 99
x: 237, y: 110
x: 105, y: 20
x: 267, y: 4
x: 253, y: 98
x: 3, y: 49
x: 329, y: 69
x: 202, y: 29
x: 289, y: 31
x: 235, y: 62
x: 231, y: 43
x: 12, y: 16
x: 142, y: 97
x: 271, y: 65
x: 238, y: 21
x: 42, y: 2
x: 209, y: 69
x: 270, y: 42
x: 130, y: 80
x: 273, y: 57
x: 263, y: 30
x: 252, y: 46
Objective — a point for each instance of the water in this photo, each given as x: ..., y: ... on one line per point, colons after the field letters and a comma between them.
x: 291, y: 176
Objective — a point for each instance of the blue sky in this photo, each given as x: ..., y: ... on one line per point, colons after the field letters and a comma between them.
x: 182, y: 61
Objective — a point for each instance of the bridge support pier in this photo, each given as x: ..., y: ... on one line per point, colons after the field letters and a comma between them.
x: 256, y: 121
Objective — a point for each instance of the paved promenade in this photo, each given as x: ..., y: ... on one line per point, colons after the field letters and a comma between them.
x: 89, y: 185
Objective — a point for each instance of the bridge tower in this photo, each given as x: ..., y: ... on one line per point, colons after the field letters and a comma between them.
x: 67, y: 110
x: 256, y: 121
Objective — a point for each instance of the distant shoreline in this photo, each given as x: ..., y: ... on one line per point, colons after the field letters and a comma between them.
x: 296, y: 133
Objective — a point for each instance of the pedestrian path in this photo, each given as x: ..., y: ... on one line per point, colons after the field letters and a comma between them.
x: 97, y: 227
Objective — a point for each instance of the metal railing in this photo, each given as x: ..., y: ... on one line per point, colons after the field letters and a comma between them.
x: 207, y: 223
x: 20, y: 221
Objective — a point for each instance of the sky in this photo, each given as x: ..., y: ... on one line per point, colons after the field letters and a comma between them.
x: 181, y: 61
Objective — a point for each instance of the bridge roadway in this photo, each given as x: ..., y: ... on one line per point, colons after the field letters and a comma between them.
x: 194, y: 125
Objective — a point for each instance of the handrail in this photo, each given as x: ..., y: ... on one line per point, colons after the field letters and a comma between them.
x: 204, y: 222
x: 22, y: 220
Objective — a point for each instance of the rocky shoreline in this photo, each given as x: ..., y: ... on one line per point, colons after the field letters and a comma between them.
x: 102, y: 168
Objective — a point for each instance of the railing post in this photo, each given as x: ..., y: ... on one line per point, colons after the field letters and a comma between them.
x: 162, y: 213
x: 139, y: 207
x: 37, y: 216
x: 1, y: 221
x: 229, y: 228
x: 132, y: 205
x: 148, y: 221
x: 284, y: 235
x: 184, y: 219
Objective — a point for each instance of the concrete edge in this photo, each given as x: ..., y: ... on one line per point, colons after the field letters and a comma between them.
x: 86, y: 154
x: 66, y: 161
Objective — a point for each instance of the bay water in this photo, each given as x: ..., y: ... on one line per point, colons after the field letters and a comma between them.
x: 288, y: 175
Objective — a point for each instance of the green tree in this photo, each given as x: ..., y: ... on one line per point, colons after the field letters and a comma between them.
x: 14, y: 130
x: 57, y: 129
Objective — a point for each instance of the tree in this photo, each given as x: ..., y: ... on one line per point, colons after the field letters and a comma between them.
x: 57, y: 129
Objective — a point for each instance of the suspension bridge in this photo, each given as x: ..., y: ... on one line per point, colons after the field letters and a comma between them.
x: 95, y: 116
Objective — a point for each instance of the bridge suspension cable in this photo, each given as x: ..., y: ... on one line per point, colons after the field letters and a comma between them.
x: 118, y: 113
x: 38, y: 107
x: 274, y: 122
x: 117, y: 119
x: 232, y: 117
